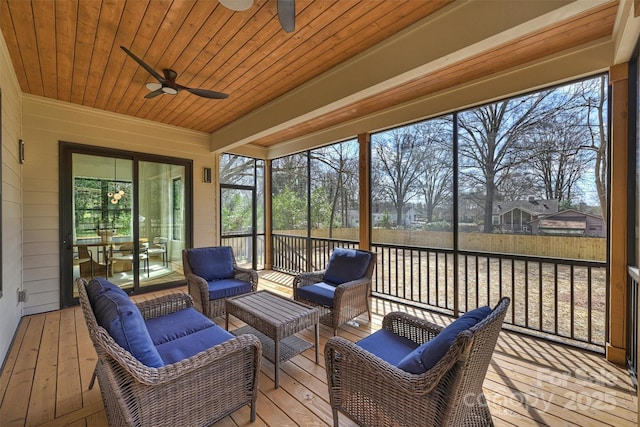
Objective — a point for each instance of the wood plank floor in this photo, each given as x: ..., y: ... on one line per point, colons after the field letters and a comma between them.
x: 530, y: 382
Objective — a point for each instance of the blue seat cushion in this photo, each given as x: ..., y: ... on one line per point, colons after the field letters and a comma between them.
x: 320, y: 293
x: 212, y: 263
x: 192, y: 344
x: 346, y: 265
x: 428, y: 354
x: 176, y: 325
x: 226, y: 288
x: 99, y: 285
x: 123, y: 321
x: 387, y: 346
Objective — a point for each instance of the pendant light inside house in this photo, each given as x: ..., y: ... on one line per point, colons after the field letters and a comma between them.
x: 115, y: 195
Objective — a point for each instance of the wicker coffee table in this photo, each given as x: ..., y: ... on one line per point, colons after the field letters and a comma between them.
x: 274, y: 320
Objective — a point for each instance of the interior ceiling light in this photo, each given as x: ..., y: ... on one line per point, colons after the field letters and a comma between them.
x: 153, y: 86
x: 237, y: 5
x: 169, y: 90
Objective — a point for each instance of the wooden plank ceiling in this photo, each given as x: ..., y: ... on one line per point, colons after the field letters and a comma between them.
x: 69, y: 50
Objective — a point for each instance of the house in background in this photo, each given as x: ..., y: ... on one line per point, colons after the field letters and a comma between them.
x: 380, y: 211
x: 569, y: 222
x: 515, y: 216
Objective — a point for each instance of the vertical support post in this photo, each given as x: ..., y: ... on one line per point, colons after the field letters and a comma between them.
x: 309, y: 252
x: 364, y: 141
x: 618, y: 232
x: 268, y: 239
x: 455, y: 221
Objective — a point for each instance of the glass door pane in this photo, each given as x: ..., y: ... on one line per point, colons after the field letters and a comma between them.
x: 102, y: 212
x: 237, y: 215
x: 124, y: 216
x: 161, y: 221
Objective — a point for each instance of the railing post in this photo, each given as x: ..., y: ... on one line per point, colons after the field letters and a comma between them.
x: 454, y: 223
x: 364, y: 141
x: 268, y: 237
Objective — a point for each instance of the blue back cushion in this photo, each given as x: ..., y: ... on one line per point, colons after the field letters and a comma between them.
x: 387, y: 346
x: 346, y: 265
x: 212, y: 263
x: 123, y: 321
x: 428, y: 354
x: 99, y: 285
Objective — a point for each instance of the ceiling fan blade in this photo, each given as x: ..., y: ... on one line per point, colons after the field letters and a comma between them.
x: 154, y: 93
x: 205, y: 93
x: 169, y: 74
x: 150, y: 70
x: 287, y: 14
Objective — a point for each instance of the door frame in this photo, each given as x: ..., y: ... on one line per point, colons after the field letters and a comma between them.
x: 65, y: 171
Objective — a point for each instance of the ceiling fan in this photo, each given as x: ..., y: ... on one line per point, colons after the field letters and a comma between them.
x: 167, y: 82
x: 286, y: 11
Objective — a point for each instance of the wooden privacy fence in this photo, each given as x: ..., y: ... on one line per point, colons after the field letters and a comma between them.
x: 564, y: 247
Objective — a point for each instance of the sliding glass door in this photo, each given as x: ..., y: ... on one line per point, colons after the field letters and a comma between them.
x: 161, y: 220
x: 124, y: 216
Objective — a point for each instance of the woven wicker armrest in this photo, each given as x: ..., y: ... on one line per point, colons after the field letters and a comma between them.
x: 247, y: 275
x: 164, y: 305
x: 198, y: 289
x: 197, y: 280
x: 349, y: 289
x: 341, y: 356
x: 350, y: 286
x: 239, y: 348
x: 411, y: 327
x: 308, y: 278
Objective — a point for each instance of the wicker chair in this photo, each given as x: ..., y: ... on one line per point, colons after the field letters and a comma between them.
x: 374, y: 392
x: 199, y: 390
x: 348, y: 291
x: 199, y: 285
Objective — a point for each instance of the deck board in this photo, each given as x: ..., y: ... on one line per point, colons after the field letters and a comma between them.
x: 530, y: 381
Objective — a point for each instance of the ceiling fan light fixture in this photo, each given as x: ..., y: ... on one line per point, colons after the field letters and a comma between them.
x: 169, y: 90
x: 237, y: 5
x: 153, y: 86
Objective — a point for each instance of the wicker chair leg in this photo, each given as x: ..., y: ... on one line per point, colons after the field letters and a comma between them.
x: 252, y: 417
x: 93, y: 377
x: 335, y: 417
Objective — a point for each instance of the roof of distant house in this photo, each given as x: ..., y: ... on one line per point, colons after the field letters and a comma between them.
x: 531, y: 205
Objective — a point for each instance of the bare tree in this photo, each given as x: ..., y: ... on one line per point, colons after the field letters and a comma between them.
x: 437, y: 171
x: 594, y: 96
x: 236, y: 169
x: 335, y: 168
x: 558, y: 161
x: 491, y: 143
x: 290, y: 172
x: 399, y: 156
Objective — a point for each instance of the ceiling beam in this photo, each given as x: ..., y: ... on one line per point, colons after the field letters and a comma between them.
x: 399, y: 59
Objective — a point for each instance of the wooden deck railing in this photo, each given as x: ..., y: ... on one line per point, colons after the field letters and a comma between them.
x: 560, y: 299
